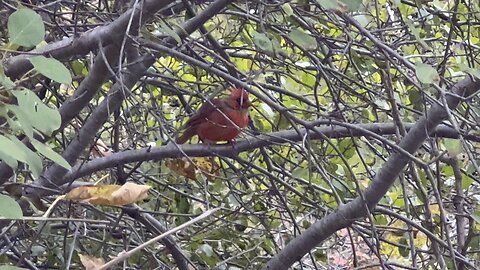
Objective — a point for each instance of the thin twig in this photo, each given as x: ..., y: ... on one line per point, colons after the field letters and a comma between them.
x: 126, y: 254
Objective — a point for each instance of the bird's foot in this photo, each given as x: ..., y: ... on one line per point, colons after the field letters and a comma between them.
x: 233, y: 142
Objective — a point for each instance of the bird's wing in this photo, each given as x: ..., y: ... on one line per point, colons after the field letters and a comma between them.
x: 206, y: 109
x: 189, y: 129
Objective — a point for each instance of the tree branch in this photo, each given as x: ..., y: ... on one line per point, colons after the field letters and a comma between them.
x: 201, y: 150
x: 54, y: 175
x: 386, y: 176
x: 87, y: 89
x: 67, y: 48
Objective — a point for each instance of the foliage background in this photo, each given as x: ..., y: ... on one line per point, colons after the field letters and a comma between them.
x: 336, y: 85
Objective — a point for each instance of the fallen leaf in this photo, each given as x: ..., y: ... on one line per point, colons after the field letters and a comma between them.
x: 100, y: 149
x: 90, y: 262
x: 114, y: 195
x: 14, y: 189
x: 130, y: 193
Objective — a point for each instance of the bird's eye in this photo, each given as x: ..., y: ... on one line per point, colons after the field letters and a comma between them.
x: 239, y: 100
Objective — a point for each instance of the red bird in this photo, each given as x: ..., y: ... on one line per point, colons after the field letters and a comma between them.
x: 219, y: 119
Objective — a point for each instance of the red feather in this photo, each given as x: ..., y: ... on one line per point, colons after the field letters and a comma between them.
x: 219, y: 119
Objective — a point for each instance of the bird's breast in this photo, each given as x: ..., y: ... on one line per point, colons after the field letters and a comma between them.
x: 231, y: 118
x: 222, y: 126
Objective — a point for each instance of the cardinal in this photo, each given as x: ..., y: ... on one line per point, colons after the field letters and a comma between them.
x: 219, y: 119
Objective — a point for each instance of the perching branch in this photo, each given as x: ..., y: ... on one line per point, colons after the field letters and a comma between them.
x: 200, y: 150
x: 54, y: 175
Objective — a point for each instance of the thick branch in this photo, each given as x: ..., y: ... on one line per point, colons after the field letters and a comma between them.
x: 154, y: 225
x: 200, y: 150
x: 385, y: 177
x: 87, y: 89
x: 72, y: 47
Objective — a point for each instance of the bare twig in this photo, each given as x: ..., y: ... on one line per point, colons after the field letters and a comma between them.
x: 126, y: 254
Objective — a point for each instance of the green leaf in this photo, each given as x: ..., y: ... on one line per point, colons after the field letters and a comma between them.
x: 11, y: 162
x: 453, y: 146
x: 11, y: 267
x: 303, y: 40
x: 9, y: 209
x: 169, y: 31
x: 426, y: 73
x: 207, y: 254
x: 32, y: 110
x: 11, y: 149
x: 402, y: 248
x: 328, y: 4
x: 52, y: 69
x: 380, y: 220
x: 416, y: 34
x: 50, y: 154
x: 5, y: 81
x: 22, y: 123
x: 287, y: 9
x: 276, y: 45
x: 467, y: 181
x: 301, y: 173
x: 353, y: 5
x: 476, y: 216
x: 25, y: 28
x: 32, y: 159
x: 263, y: 42
x: 416, y: 100
x: 38, y: 250
x: 361, y: 19
x: 471, y: 71
x: 306, y: 224
x: 206, y: 249
x: 78, y: 67
x: 475, y: 242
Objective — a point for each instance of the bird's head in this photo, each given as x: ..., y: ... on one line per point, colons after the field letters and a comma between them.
x: 240, y: 97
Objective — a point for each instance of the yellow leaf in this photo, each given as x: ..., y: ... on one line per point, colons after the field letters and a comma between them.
x: 114, y: 195
x: 91, y: 263
x: 184, y: 167
x: 130, y: 193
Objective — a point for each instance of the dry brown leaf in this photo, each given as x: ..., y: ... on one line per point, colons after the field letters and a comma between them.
x: 100, y: 149
x: 182, y: 167
x: 207, y: 166
x: 185, y: 167
x: 114, y: 195
x: 130, y: 193
x: 37, y: 202
x: 90, y: 262
x: 14, y: 189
